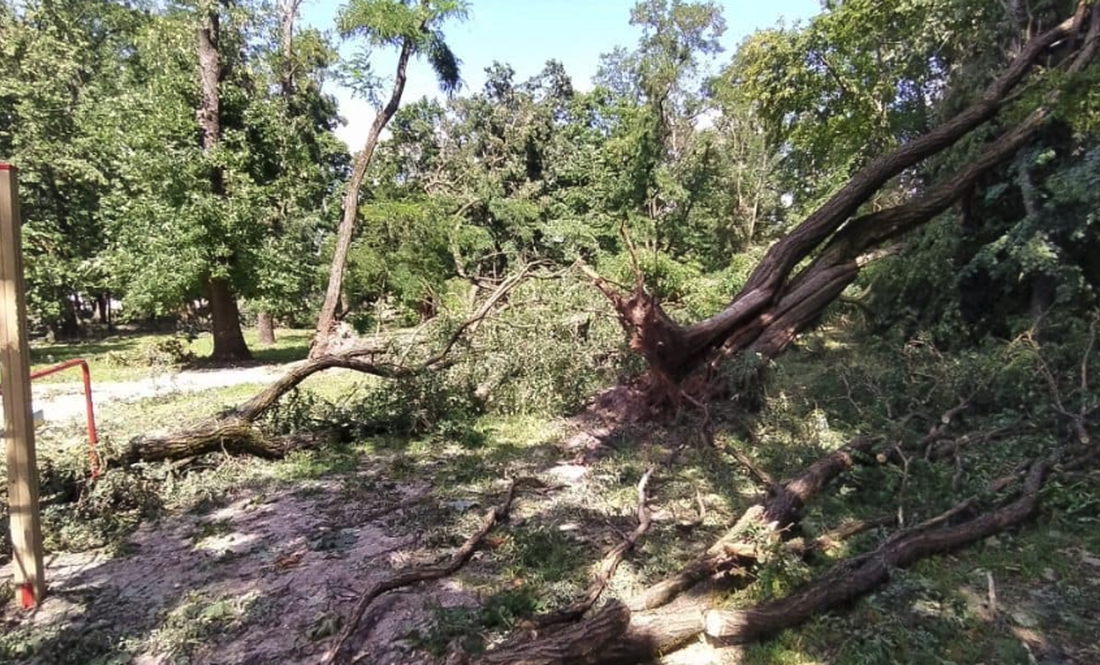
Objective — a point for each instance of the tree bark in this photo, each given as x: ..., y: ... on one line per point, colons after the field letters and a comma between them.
x: 225, y: 323
x: 326, y: 320
x: 265, y: 326
x: 288, y: 12
x: 623, y: 633
x: 225, y: 318
x: 774, y: 306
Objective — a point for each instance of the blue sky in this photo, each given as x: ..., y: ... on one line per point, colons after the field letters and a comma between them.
x: 527, y: 33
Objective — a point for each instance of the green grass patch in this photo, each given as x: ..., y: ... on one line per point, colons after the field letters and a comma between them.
x: 131, y: 357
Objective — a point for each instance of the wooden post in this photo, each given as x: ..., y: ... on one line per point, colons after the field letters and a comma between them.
x: 26, y: 524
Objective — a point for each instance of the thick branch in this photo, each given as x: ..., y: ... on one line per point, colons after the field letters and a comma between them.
x: 775, y: 514
x: 773, y: 307
x: 234, y: 433
x: 851, y: 579
x: 649, y: 633
x: 787, y: 253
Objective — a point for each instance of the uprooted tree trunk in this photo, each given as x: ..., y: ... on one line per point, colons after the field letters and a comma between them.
x: 777, y: 303
x: 235, y: 432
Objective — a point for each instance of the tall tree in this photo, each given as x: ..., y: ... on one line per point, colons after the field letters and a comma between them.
x: 225, y: 316
x: 57, y: 92
x: 413, y: 27
x: 238, y: 206
x: 288, y: 14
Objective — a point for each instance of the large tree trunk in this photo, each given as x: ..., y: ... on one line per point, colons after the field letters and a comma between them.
x: 225, y: 318
x: 265, y: 327
x: 774, y: 305
x: 225, y: 323
x: 326, y: 321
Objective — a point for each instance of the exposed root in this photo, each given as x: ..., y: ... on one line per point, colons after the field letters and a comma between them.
x: 688, y: 525
x: 424, y: 574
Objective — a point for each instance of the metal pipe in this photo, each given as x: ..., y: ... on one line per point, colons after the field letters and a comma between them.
x: 93, y: 435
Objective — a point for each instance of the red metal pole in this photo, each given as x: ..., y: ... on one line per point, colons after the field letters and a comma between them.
x: 93, y: 434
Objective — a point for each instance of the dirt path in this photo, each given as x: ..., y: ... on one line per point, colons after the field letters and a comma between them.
x: 197, y: 588
x: 63, y: 402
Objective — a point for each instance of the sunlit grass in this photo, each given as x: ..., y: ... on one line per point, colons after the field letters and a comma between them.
x: 120, y: 357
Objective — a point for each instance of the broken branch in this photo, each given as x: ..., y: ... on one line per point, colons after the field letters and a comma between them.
x: 425, y: 574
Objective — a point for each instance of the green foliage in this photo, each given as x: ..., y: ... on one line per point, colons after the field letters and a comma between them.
x: 161, y: 352
x: 404, y: 252
x: 396, y: 23
x: 100, y: 115
x: 1021, y: 261
x: 198, y: 617
x: 548, y: 356
x: 115, y: 506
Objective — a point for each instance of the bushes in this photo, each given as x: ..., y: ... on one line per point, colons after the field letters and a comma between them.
x: 159, y: 352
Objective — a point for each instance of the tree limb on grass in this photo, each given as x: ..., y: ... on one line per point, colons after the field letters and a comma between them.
x: 235, y: 432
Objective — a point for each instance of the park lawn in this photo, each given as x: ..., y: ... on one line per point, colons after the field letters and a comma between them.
x: 136, y: 356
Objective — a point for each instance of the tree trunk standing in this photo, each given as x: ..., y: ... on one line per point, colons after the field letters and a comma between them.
x: 224, y: 316
x: 326, y: 321
x: 101, y: 312
x: 288, y: 12
x: 225, y: 323
x: 265, y: 326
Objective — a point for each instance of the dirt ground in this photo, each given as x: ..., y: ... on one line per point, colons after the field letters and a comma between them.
x: 289, y: 562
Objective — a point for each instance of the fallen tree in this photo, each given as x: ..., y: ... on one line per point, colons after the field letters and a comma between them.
x: 235, y: 432
x: 780, y: 299
x: 659, y: 621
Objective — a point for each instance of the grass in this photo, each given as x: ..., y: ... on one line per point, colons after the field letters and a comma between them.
x: 131, y: 357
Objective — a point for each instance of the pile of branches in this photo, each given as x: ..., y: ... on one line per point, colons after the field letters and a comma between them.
x: 235, y: 432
